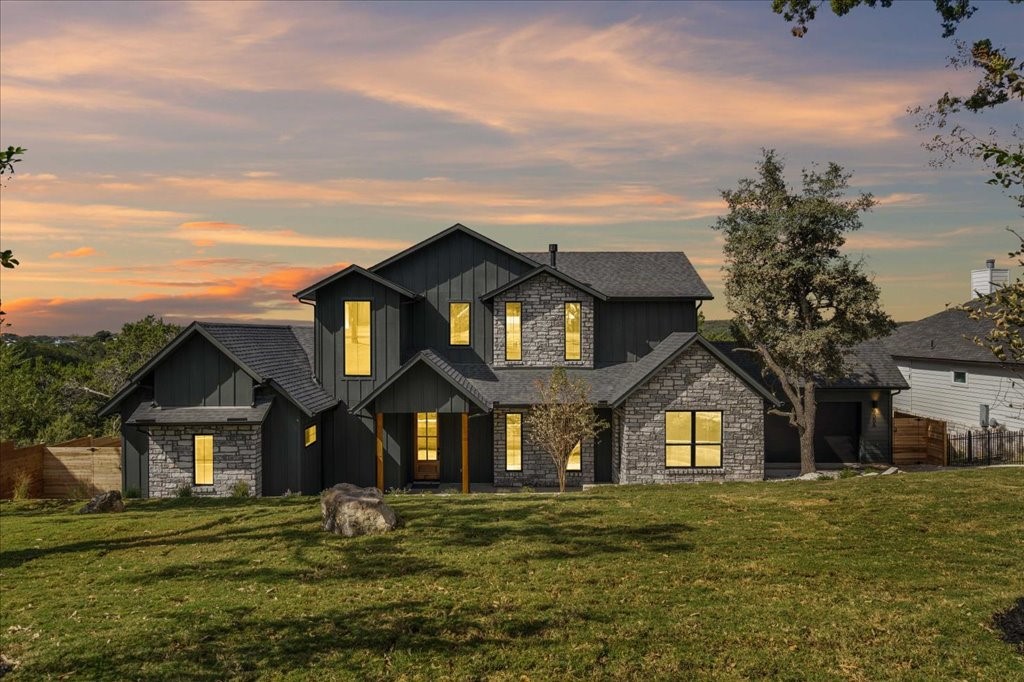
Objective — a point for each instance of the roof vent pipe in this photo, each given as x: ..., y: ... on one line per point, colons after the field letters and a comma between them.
x: 553, y: 252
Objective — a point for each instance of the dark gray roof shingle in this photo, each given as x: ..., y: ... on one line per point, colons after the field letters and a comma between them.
x: 631, y: 274
x: 868, y: 365
x: 608, y: 383
x: 947, y: 335
x: 280, y: 353
x: 147, y: 413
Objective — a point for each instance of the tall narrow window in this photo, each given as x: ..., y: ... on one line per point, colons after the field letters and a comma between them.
x: 572, y: 331
x: 513, y: 442
x: 203, y: 449
x: 693, y: 439
x: 513, y: 331
x: 310, y: 436
x: 357, y: 338
x: 458, y: 316
x: 575, y: 462
x: 426, y: 436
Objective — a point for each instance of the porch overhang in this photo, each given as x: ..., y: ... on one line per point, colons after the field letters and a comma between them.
x: 426, y: 383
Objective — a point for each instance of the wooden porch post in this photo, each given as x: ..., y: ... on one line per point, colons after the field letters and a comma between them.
x: 380, y: 451
x: 465, y: 452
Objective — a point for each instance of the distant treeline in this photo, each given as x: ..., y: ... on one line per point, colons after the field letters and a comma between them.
x: 53, y: 386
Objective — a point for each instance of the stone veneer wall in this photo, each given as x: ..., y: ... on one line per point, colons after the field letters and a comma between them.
x: 538, y: 469
x: 543, y: 323
x: 237, y: 455
x: 696, y: 380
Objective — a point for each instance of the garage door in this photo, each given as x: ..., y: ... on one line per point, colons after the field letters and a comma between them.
x: 836, y: 436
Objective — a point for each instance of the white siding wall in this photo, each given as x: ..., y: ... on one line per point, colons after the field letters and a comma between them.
x: 933, y: 393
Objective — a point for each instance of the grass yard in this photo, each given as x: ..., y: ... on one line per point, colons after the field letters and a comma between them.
x: 863, y: 579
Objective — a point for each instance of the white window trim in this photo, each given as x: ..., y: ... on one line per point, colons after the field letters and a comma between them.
x: 954, y: 382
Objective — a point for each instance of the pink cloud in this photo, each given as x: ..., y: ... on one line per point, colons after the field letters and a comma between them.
x: 80, y: 252
x: 266, y: 296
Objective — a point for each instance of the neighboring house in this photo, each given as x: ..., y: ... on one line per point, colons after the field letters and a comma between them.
x: 421, y: 368
x: 952, y: 378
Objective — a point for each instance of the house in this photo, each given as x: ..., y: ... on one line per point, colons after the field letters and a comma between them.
x: 420, y: 369
x: 853, y: 420
x: 952, y: 378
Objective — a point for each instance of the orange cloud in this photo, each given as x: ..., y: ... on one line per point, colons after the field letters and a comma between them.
x: 74, y: 253
x: 210, y: 226
x: 263, y: 297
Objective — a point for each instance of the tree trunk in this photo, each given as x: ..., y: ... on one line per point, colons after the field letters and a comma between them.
x: 561, y: 476
x: 810, y: 410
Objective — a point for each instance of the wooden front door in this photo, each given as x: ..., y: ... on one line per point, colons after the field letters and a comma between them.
x: 427, y: 466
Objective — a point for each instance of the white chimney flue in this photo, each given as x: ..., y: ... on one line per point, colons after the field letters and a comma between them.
x: 986, y: 281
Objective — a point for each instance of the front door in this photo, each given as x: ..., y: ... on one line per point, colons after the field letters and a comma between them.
x: 427, y: 467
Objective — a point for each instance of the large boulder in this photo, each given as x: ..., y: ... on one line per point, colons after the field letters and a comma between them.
x: 104, y: 502
x: 349, y: 510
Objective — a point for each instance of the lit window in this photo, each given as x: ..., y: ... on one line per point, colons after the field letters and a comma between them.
x: 458, y: 316
x: 513, y: 442
x: 357, y: 338
x: 572, y: 331
x: 310, y: 435
x: 959, y: 377
x: 693, y: 439
x: 575, y: 461
x: 513, y: 331
x: 426, y: 436
x: 204, y: 460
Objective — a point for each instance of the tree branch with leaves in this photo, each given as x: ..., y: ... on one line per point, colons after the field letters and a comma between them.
x: 797, y: 300
x: 562, y: 417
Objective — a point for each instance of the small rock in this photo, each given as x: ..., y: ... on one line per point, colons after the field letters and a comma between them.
x: 349, y: 510
x: 890, y: 470
x: 871, y: 473
x: 104, y: 502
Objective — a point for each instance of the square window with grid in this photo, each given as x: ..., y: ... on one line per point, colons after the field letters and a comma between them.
x: 693, y: 439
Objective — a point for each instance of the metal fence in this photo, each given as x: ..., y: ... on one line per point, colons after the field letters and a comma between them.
x: 990, y: 446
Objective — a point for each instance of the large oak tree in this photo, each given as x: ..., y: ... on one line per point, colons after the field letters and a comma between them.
x: 797, y: 300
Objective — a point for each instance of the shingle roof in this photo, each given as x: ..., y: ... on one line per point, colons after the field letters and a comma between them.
x: 947, y: 335
x: 544, y: 270
x: 868, y: 365
x: 609, y: 383
x: 279, y: 353
x: 147, y: 413
x: 439, y: 365
x: 631, y: 274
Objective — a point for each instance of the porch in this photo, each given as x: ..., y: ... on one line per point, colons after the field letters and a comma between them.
x: 431, y: 427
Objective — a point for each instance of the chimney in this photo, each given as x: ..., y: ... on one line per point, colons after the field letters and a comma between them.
x: 988, y: 280
x: 553, y: 253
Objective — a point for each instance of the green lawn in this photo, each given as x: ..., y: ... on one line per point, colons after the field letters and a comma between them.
x: 866, y: 579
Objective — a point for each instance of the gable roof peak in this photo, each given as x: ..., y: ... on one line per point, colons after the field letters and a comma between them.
x: 456, y: 228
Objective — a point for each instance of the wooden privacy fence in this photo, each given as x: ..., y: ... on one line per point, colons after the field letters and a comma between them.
x: 918, y: 440
x: 79, y: 467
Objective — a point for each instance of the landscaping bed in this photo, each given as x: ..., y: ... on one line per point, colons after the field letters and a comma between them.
x: 893, y: 577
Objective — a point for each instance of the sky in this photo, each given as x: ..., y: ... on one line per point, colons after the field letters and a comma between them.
x: 207, y: 160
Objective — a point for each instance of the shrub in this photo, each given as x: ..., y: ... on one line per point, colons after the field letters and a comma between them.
x: 132, y: 492
x: 22, y: 485
x: 184, y: 490
x: 849, y: 472
x: 240, y: 489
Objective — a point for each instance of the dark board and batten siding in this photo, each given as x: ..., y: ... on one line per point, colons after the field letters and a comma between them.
x: 134, y: 445
x: 199, y: 374
x: 625, y: 331
x: 456, y: 268
x: 329, y: 330
x: 420, y: 389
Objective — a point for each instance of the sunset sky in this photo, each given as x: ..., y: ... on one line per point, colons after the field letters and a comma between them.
x: 208, y: 160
